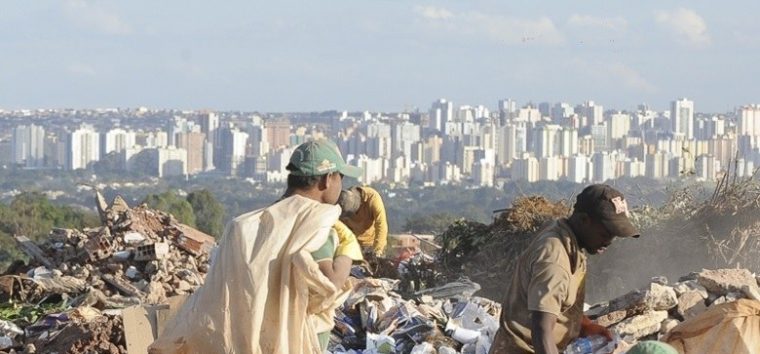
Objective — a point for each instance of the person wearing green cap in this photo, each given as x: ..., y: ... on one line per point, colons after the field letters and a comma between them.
x: 317, y: 163
x: 270, y: 280
x: 652, y: 347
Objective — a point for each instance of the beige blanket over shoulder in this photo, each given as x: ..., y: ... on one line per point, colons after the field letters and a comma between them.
x: 261, y: 286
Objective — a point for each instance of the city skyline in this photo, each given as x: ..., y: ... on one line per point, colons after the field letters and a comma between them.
x: 375, y: 55
x: 447, y: 144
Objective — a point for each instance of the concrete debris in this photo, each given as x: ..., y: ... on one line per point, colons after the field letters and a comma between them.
x: 724, y: 281
x: 652, y: 312
x: 642, y: 325
x: 138, y: 256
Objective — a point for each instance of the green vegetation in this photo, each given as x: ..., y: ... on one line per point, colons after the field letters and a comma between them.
x: 33, y: 215
x: 199, y: 209
x: 173, y: 204
x: 209, y: 213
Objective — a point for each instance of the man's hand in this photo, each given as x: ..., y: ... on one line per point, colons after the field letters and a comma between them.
x: 589, y: 328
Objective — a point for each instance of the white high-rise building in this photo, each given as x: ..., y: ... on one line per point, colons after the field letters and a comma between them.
x: 604, y: 166
x: 707, y: 167
x: 682, y: 118
x: 525, y: 168
x: 546, y: 140
x: 568, y: 142
x: 404, y: 135
x: 619, y: 125
x: 578, y: 168
x: 482, y: 173
x: 83, y: 147
x: 28, y: 145
x: 749, y: 120
x: 171, y: 162
x: 549, y: 168
x: 116, y: 140
x: 633, y: 168
x: 511, y: 141
x: 657, y: 165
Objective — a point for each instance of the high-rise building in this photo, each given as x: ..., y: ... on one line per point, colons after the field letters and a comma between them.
x: 568, y: 142
x: 560, y: 111
x: 604, y: 166
x: 592, y: 112
x: 749, y: 120
x: 578, y: 168
x: 525, y: 168
x: 599, y: 135
x: 546, y: 140
x: 233, y: 149
x: 278, y: 133
x: 209, y: 125
x: 682, y: 118
x: 549, y: 168
x: 619, y: 125
x: 507, y: 110
x: 28, y: 145
x: 83, y: 146
x: 194, y: 144
x: 171, y: 161
x: 116, y: 140
x: 441, y: 111
x: 404, y: 136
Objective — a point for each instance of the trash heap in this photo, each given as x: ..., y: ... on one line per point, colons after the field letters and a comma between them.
x: 651, y: 312
x: 444, y: 320
x: 65, y: 301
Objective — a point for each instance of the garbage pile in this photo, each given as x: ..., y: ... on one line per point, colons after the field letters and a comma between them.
x: 444, y: 320
x: 653, y: 311
x: 62, y: 304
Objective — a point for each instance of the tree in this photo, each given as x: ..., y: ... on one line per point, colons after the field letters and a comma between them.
x: 173, y: 204
x: 209, y: 213
x: 32, y: 214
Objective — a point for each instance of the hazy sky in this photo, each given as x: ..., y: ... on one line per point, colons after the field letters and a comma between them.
x: 375, y: 55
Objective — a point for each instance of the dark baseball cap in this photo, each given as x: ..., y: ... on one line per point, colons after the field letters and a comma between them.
x: 320, y: 157
x: 607, y: 205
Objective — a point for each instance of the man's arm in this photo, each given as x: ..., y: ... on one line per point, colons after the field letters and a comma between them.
x: 542, y: 329
x: 337, y: 270
x: 380, y: 224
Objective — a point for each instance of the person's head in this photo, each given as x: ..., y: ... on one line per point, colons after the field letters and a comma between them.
x: 317, y: 169
x: 652, y: 347
x: 350, y: 200
x: 600, y: 214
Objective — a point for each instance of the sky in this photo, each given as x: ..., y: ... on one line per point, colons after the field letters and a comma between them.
x: 376, y: 55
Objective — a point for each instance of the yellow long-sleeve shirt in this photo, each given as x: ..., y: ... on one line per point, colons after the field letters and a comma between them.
x: 369, y: 223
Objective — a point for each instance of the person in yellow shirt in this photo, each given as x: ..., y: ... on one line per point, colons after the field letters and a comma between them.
x: 364, y: 213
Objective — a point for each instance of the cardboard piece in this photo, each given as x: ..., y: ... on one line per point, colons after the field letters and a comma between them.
x: 144, y: 323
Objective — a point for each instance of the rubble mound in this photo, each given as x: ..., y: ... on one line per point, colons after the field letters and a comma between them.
x: 138, y: 256
x: 654, y: 310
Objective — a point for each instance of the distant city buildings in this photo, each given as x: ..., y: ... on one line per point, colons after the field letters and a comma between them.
x: 445, y: 144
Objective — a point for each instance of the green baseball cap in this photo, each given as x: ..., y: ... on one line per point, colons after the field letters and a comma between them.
x: 320, y: 157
